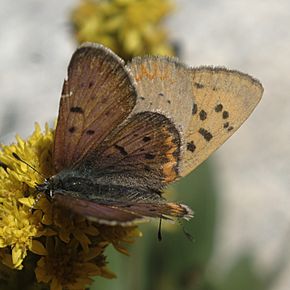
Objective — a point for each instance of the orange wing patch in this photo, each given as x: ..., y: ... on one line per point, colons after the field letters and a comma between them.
x: 170, y: 169
x: 153, y: 72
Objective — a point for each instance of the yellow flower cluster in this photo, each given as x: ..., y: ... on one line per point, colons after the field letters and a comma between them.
x: 67, y: 250
x: 128, y: 27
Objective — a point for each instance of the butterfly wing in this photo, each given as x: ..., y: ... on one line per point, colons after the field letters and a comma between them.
x: 224, y: 99
x: 163, y: 85
x: 145, y: 151
x: 93, y: 126
x: 130, y: 169
x: 97, y: 96
x: 180, y: 117
x: 123, y: 213
x: 101, y: 213
x: 216, y: 101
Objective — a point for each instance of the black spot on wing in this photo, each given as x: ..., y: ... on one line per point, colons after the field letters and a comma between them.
x: 91, y: 84
x: 190, y: 146
x: 194, y: 109
x: 146, y: 139
x: 121, y: 150
x: 225, y: 114
x: 77, y: 110
x: 72, y: 129
x: 149, y: 156
x: 202, y: 115
x: 205, y: 134
x: 161, y: 95
x: 226, y: 125
x: 147, y: 168
x: 218, y: 108
x: 198, y: 85
x: 90, y: 132
x: 230, y: 128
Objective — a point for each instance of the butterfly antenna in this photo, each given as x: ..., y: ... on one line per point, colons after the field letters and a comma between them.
x: 159, y: 230
x: 23, y: 161
x: 187, y: 234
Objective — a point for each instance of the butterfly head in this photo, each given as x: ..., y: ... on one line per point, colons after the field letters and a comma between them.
x: 47, y: 187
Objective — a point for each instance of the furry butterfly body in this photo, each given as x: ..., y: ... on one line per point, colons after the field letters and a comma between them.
x: 125, y: 131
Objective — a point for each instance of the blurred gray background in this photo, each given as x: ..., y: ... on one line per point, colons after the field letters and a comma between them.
x: 253, y: 166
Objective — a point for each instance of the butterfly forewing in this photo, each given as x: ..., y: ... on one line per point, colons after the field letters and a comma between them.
x: 97, y: 96
x: 206, y: 104
x: 163, y: 85
x: 224, y: 99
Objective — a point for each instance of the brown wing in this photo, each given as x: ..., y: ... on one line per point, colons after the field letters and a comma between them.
x: 130, y: 168
x: 125, y: 214
x: 97, y: 96
x: 223, y: 100
x: 146, y: 148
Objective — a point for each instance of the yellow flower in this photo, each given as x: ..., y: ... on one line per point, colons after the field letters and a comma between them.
x: 68, y: 250
x: 78, y: 228
x: 118, y: 235
x: 128, y: 27
x: 18, y: 224
x: 66, y: 266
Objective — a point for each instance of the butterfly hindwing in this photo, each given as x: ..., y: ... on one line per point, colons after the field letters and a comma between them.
x: 123, y: 213
x: 224, y: 99
x: 97, y: 96
x: 146, y: 147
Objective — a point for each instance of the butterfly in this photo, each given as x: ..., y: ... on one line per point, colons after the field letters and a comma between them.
x: 126, y: 131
